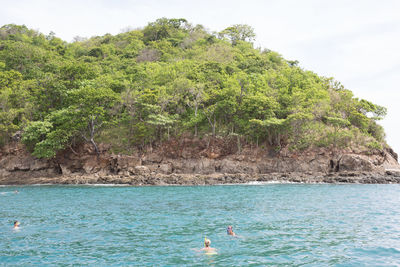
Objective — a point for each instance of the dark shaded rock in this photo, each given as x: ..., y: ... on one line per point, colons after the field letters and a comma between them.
x: 392, y: 153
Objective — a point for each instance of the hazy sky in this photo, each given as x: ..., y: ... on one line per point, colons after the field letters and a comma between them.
x: 355, y: 41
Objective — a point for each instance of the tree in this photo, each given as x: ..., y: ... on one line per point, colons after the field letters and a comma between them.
x: 193, y: 94
x: 92, y: 106
x: 162, y: 121
x: 46, y: 138
x: 88, y: 111
x: 238, y: 32
x: 162, y: 28
x: 15, y: 104
x: 337, y: 122
x: 273, y: 128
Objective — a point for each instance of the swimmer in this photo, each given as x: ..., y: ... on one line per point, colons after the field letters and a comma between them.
x: 229, y: 231
x: 16, y: 192
x: 207, y: 248
x: 16, y: 225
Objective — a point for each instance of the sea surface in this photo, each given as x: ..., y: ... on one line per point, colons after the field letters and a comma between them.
x: 276, y: 225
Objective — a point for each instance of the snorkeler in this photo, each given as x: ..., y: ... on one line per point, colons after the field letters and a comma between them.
x: 229, y: 231
x: 207, y: 243
x: 16, y: 225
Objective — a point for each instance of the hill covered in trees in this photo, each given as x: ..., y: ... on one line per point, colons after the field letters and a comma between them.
x: 141, y: 87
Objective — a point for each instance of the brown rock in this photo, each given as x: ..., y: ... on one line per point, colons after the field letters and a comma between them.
x: 142, y: 170
x: 355, y: 163
x: 165, y: 168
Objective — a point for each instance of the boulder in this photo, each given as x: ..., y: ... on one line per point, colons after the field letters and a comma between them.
x: 37, y: 165
x: 165, y: 168
x: 125, y: 162
x: 15, y: 163
x: 153, y: 158
x: 350, y: 162
x: 142, y: 170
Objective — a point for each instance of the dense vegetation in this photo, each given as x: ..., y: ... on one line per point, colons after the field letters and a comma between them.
x: 143, y: 86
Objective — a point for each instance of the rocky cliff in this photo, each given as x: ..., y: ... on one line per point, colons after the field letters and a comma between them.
x: 195, y: 161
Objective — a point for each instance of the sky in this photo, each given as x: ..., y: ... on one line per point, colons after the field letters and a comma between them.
x: 355, y: 41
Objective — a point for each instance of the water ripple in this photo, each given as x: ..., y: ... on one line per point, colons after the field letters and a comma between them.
x: 279, y: 225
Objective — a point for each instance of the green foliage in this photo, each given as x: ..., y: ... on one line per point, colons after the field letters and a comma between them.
x: 15, y: 105
x: 340, y: 138
x: 142, y: 86
x: 36, y: 132
x: 45, y: 138
x: 374, y: 145
x: 164, y: 28
x: 338, y: 122
x: 238, y: 32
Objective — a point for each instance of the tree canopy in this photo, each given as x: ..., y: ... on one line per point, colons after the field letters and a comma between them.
x: 143, y: 86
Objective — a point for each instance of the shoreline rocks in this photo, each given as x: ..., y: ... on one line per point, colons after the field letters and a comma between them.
x: 18, y: 167
x: 209, y: 179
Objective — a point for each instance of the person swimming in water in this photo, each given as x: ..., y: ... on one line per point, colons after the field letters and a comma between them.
x: 16, y: 225
x: 229, y: 230
x: 207, y: 248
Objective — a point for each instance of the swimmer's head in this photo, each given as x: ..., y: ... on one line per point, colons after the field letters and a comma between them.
x: 229, y: 229
x: 16, y: 224
x: 207, y: 242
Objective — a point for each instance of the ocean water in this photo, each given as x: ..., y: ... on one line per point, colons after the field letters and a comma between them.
x: 276, y: 224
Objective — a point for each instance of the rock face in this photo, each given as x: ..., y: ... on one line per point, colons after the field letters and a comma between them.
x: 185, y: 167
x: 25, y: 166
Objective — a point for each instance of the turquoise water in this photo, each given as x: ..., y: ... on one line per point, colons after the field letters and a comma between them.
x: 278, y: 225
